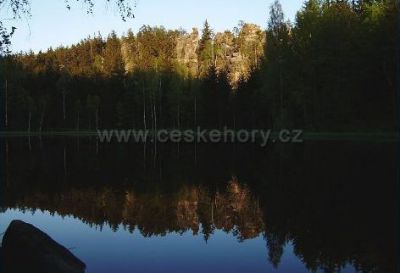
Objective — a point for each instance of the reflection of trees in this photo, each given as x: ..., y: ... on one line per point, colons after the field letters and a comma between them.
x: 195, y: 208
x: 232, y: 210
x: 275, y: 246
x: 334, y: 209
x: 239, y: 211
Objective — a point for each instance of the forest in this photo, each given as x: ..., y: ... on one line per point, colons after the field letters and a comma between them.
x: 331, y: 70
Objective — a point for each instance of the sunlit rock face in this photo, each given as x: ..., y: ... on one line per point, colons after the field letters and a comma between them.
x: 186, y: 51
x: 238, y: 53
x: 128, y: 51
x: 234, y: 53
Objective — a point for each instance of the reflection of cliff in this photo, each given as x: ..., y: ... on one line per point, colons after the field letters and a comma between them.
x: 238, y: 210
x: 233, y: 209
x: 312, y: 196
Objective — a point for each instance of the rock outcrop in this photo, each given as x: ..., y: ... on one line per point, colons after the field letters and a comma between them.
x: 235, y: 53
x: 186, y: 51
x: 28, y: 249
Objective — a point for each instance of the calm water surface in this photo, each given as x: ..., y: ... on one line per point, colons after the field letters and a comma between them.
x: 314, y: 207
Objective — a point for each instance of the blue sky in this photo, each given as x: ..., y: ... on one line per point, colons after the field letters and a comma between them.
x: 53, y: 25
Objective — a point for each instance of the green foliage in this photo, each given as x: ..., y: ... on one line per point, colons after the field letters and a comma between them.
x: 206, y: 50
x: 333, y: 69
x: 112, y: 57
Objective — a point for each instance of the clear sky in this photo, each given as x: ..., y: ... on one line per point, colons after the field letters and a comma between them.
x: 53, y: 25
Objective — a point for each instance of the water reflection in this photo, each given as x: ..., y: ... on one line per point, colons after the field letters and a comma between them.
x: 328, y: 206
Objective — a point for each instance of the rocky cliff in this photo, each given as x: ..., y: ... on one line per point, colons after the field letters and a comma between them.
x: 236, y: 52
x: 232, y: 52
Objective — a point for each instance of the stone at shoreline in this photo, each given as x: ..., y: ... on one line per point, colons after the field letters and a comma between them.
x: 28, y: 249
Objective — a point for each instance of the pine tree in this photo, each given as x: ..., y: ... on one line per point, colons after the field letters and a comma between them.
x: 206, y: 36
x: 206, y: 50
x: 113, y: 64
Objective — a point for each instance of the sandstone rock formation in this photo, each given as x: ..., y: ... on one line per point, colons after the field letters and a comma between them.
x: 235, y: 53
x: 186, y: 51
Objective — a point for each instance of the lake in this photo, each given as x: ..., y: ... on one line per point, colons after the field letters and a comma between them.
x: 319, y: 206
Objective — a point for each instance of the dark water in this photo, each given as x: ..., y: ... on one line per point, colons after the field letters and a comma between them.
x: 318, y: 206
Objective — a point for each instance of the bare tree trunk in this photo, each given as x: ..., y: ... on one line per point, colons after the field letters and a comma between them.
x: 63, y: 98
x: 234, y: 121
x: 159, y: 97
x: 29, y: 130
x: 152, y: 102
x: 29, y: 143
x: 6, y: 105
x: 195, y: 111
x: 179, y: 116
x: 155, y: 124
x: 97, y: 118
x: 78, y: 121
x: 42, y: 119
x: 144, y: 123
x: 144, y: 109
x: 29, y: 121
x: 155, y: 116
x: 281, y: 91
x: 179, y: 124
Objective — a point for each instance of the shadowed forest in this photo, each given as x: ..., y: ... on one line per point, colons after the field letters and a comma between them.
x: 332, y: 69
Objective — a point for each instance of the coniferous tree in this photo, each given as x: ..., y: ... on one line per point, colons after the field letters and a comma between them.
x: 206, y: 50
x: 332, y: 69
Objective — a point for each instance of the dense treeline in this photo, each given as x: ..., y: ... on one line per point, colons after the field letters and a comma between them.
x: 332, y: 69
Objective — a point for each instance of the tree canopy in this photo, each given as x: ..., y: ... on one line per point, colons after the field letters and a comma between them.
x: 332, y: 69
